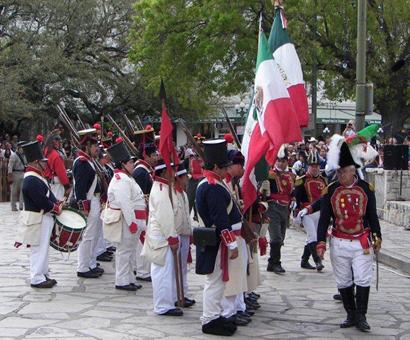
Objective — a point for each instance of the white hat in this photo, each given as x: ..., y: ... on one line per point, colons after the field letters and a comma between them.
x: 312, y: 139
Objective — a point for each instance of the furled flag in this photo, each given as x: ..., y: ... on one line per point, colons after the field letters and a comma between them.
x: 271, y: 120
x: 166, y: 143
x: 285, y: 55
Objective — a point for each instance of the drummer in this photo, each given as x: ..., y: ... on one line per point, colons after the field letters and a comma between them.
x: 37, y: 219
x: 124, y: 194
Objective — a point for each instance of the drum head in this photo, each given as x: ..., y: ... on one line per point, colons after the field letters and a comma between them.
x: 71, y: 218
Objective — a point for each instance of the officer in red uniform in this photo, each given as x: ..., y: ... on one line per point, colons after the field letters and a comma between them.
x: 308, y: 189
x: 282, y: 182
x: 351, y: 204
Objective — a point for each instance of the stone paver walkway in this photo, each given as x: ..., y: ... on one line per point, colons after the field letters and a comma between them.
x: 297, y: 305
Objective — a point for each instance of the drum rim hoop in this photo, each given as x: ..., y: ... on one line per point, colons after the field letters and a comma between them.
x: 73, y: 210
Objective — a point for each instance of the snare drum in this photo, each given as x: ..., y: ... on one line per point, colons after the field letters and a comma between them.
x: 68, y: 230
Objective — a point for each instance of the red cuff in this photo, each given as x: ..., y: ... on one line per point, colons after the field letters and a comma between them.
x: 321, y: 245
x: 84, y: 205
x: 227, y: 237
x: 57, y: 208
x: 142, y: 236
x: 133, y: 228
x: 173, y: 241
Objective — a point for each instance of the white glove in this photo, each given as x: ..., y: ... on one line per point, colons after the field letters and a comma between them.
x: 293, y: 205
x: 301, y: 213
x: 265, y: 188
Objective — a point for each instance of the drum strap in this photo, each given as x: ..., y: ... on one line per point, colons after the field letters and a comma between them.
x: 34, y: 174
x: 94, y: 183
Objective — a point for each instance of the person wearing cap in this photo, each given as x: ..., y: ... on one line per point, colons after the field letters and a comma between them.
x: 183, y: 225
x: 125, y: 209
x: 86, y: 195
x: 300, y: 166
x: 233, y: 303
x: 215, y: 239
x: 37, y: 220
x: 195, y: 176
x: 350, y: 129
x: 280, y: 197
x: 350, y: 203
x: 143, y: 174
x: 308, y: 189
x: 161, y: 240
x: 56, y: 171
x: 16, y: 167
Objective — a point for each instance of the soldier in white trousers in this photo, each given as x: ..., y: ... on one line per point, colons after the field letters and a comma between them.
x: 126, y: 208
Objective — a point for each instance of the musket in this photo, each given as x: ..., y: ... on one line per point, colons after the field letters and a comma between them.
x: 82, y: 125
x: 232, y: 129
x: 127, y: 141
x: 129, y: 125
x: 141, y: 127
x: 191, y: 139
x: 76, y: 141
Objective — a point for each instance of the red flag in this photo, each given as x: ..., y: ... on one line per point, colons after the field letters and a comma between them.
x: 166, y: 144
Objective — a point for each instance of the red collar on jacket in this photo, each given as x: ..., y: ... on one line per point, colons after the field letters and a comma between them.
x: 32, y: 168
x: 161, y: 180
x: 82, y: 154
x: 228, y: 178
x: 146, y: 164
x: 212, y: 177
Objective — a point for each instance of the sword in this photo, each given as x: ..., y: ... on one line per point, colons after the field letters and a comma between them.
x: 375, y: 240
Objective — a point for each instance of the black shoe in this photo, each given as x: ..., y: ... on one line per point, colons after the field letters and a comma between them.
x: 104, y: 258
x: 112, y: 249
x: 337, y: 297
x: 306, y: 265
x: 44, y: 284
x: 187, y: 303
x: 245, y: 314
x: 98, y: 270
x: 174, y: 312
x: 238, y: 320
x: 249, y: 311
x: 361, y: 323
x: 243, y: 317
x: 54, y: 282
x: 278, y: 269
x: 253, y: 306
x: 136, y: 285
x: 250, y: 299
x: 255, y: 295
x: 130, y: 288
x: 219, y: 326
x: 145, y: 279
x: 319, y: 265
x: 89, y: 275
x: 349, y: 322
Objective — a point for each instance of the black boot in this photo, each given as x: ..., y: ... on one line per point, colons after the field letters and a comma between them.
x: 316, y: 258
x: 362, y: 300
x: 274, y: 264
x: 349, y: 304
x: 305, y: 259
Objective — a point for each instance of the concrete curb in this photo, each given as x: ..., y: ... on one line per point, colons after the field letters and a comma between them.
x: 394, y: 260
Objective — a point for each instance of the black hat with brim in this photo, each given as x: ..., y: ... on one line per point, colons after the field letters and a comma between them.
x: 33, y: 152
x: 119, y: 153
x: 345, y: 158
x: 215, y: 151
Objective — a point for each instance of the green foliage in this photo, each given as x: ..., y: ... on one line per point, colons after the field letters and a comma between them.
x: 75, y: 52
x: 207, y: 48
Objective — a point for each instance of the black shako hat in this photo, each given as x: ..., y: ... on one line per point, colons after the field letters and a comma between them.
x: 313, y: 158
x: 215, y: 151
x: 345, y: 157
x: 181, y: 170
x: 33, y: 152
x: 119, y: 153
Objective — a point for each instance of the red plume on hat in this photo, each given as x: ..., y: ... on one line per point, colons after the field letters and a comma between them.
x: 39, y: 138
x: 97, y: 126
x: 118, y: 140
x: 228, y: 137
x: 109, y: 134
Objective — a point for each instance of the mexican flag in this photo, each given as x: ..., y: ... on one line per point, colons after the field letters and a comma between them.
x: 285, y: 55
x: 271, y: 122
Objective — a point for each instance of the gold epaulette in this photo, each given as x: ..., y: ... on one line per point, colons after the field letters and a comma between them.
x: 299, y: 180
x: 326, y: 189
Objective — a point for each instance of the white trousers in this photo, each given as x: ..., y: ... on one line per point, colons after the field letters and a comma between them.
x: 124, y: 255
x: 232, y: 304
x: 183, y: 252
x: 163, y: 285
x: 39, y: 254
x: 213, y: 292
x: 87, y: 248
x: 143, y: 266
x: 310, y: 224
x: 16, y: 194
x: 349, y: 263
x: 58, y: 190
x: 101, y: 246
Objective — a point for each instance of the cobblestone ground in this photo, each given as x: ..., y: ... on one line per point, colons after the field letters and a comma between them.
x: 297, y: 305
